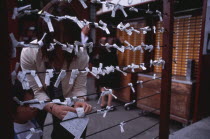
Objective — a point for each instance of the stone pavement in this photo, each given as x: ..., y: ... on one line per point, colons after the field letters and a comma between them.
x: 198, y: 130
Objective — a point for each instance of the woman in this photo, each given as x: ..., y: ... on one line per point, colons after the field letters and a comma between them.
x: 108, y: 59
x: 41, y: 59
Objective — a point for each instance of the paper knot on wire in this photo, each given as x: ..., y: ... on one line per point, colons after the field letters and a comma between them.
x: 126, y: 28
x: 118, y: 69
x: 47, y: 18
x: 123, y: 27
x: 16, y: 11
x: 37, y: 104
x: 141, y: 83
x: 132, y: 67
x: 122, y: 127
x: 129, y: 47
x: 18, y: 101
x: 133, y: 9
x: 86, y: 23
x: 131, y: 30
x: 148, y: 11
x: 159, y: 62
x: 160, y: 15
x: 118, y: 7
x: 154, y: 76
x: 121, y: 49
x: 15, y: 44
x: 32, y: 132
x: 63, y: 46
x: 147, y: 47
x: 129, y: 103
x: 94, y: 72
x: 23, y: 79
x: 82, y: 2
x: 28, y: 12
x: 106, y: 92
x: 109, y: 69
x: 74, y: 74
x: 100, y: 71
x: 90, y: 46
x: 75, y: 20
x: 108, y: 108
x: 131, y: 86
x: 39, y: 43
x: 87, y: 70
x: 139, y: 48
x: 34, y: 103
x: 76, y: 99
x: 108, y: 46
x: 103, y: 26
x: 33, y: 44
x: 56, y: 101
x: 48, y: 76
x: 68, y: 102
x: 60, y: 77
x: 142, y: 66
x: 96, y: 1
x: 101, y: 111
x: 76, y: 48
x: 108, y: 4
x: 154, y: 29
x: 145, y: 29
x: 36, y: 78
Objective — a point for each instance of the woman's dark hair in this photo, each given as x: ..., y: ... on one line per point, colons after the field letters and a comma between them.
x: 64, y: 31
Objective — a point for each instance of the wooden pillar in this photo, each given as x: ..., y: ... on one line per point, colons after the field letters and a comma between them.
x: 202, y: 97
x: 167, y: 71
x: 5, y: 95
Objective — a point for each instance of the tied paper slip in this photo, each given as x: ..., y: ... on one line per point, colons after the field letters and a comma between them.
x: 75, y: 126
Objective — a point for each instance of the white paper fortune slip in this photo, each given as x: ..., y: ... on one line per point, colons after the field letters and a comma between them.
x: 75, y: 126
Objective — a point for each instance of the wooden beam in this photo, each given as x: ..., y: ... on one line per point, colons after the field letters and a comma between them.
x: 199, y: 108
x: 167, y: 71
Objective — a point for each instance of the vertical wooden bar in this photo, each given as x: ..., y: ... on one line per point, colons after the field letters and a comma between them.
x: 167, y: 71
x: 6, y: 125
x: 202, y: 94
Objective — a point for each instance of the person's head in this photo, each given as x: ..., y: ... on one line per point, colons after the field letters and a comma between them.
x: 86, y: 30
x: 22, y: 113
x: 103, y: 40
x: 65, y: 31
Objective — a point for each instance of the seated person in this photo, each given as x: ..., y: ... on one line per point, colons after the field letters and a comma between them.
x: 23, y: 115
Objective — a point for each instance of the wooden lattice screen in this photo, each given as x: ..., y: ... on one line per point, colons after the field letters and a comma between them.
x: 135, y: 39
x: 186, y: 40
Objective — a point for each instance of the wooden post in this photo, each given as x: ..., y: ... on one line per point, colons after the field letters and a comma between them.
x: 202, y: 95
x: 167, y: 71
x: 5, y: 81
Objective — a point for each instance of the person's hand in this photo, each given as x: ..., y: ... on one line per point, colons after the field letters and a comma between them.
x: 87, y: 107
x: 60, y: 111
